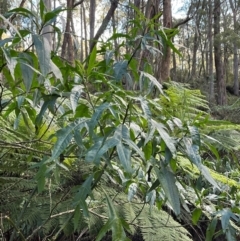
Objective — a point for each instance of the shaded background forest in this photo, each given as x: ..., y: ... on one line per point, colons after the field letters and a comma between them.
x: 207, y: 37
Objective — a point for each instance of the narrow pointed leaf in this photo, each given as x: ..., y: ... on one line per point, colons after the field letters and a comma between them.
x: 64, y: 136
x: 44, y: 53
x: 211, y: 229
x: 196, y: 215
x: 132, y: 190
x: 107, y: 226
x: 167, y: 181
x: 194, y: 135
x: 153, y: 80
x: 92, y: 59
x: 74, y: 96
x: 56, y: 71
x: 82, y: 194
x: 165, y: 136
x: 4, y: 41
x: 120, y: 68
x: 49, y: 102
x: 27, y: 74
x: 205, y: 172
x: 11, y: 62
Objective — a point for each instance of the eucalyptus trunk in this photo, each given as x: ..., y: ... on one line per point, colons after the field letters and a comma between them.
x: 210, y: 53
x: 234, y: 6
x: 92, y: 13
x: 47, y: 30
x: 221, y: 85
x: 166, y: 58
x: 67, y: 46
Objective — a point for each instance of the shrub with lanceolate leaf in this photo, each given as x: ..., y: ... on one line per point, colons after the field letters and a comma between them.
x: 83, y: 157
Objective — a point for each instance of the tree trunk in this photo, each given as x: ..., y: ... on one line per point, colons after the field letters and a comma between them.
x: 102, y: 28
x: 47, y: 30
x: 221, y: 85
x: 81, y: 43
x: 210, y: 51
x: 234, y: 8
x: 92, y: 19
x: 166, y: 59
x: 67, y: 46
x: 85, y: 31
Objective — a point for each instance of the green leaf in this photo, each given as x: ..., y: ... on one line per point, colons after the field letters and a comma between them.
x: 11, y: 25
x: 43, y: 52
x: 118, y: 35
x: 115, y: 223
x: 82, y: 194
x: 147, y: 149
x: 76, y: 217
x: 92, y: 152
x: 11, y: 61
x: 132, y: 145
x: 146, y: 110
x: 107, y: 226
x: 4, y: 41
x: 92, y: 59
x: 23, y: 11
x: 120, y: 68
x: 211, y: 229
x: 226, y: 215
x: 111, y: 209
x: 195, y: 135
x: 99, y: 149
x: 154, y: 185
x: 231, y: 233
x: 205, y: 172
x: 108, y: 56
x: 151, y: 197
x: 27, y: 74
x: 56, y: 71
x: 170, y: 143
x: 149, y: 135
x: 41, y: 177
x: 74, y: 96
x: 196, y: 215
x: 167, y: 180
x: 192, y: 151
x: 42, y: 8
x: 152, y: 79
x: 132, y: 190
x: 51, y: 16
x: 49, y: 103
x: 124, y: 156
x: 96, y: 116
x: 64, y: 137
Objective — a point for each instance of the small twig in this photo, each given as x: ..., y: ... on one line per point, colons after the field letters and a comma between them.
x: 138, y: 213
x: 15, y: 227
x: 49, y: 125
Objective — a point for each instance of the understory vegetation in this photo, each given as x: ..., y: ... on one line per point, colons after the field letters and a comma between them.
x: 83, y: 157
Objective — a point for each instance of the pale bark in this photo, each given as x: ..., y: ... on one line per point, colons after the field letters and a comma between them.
x: 166, y: 58
x: 234, y: 6
x: 47, y: 30
x: 102, y: 28
x: 210, y: 54
x: 81, y: 43
x: 67, y: 46
x: 221, y: 85
x: 85, y: 31
x: 92, y: 18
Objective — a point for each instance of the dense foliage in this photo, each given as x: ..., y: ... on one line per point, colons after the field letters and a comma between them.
x: 84, y: 158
